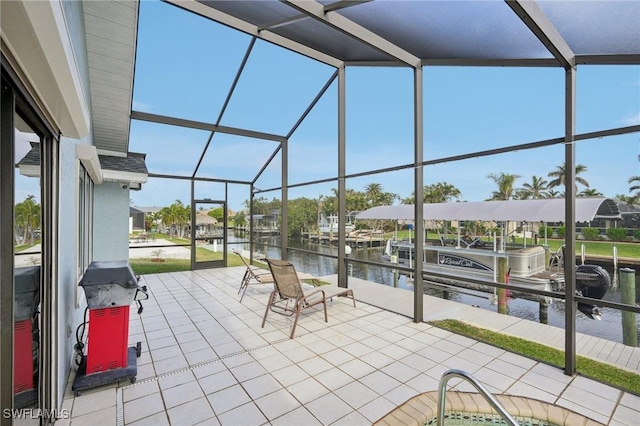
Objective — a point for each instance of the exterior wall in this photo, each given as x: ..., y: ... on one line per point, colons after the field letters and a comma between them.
x: 58, y: 77
x: 111, y: 222
x: 71, y: 301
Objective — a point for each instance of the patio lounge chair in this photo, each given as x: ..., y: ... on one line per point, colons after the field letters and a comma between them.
x: 252, y: 277
x: 289, y: 298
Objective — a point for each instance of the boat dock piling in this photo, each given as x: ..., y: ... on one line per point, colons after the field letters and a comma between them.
x: 504, y: 279
x: 628, y: 296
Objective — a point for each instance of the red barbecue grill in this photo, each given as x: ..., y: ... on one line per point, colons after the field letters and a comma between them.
x: 25, y: 335
x: 110, y: 287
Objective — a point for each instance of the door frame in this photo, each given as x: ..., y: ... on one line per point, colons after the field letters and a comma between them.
x: 194, y: 239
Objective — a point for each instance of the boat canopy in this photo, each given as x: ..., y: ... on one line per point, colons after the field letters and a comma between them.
x: 540, y: 210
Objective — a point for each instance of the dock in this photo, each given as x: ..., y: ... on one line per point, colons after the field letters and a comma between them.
x: 358, y: 241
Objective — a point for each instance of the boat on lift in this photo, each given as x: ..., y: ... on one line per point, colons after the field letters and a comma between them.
x: 466, y: 262
x: 330, y: 224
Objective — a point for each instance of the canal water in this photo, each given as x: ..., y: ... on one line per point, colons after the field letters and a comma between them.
x: 609, y: 327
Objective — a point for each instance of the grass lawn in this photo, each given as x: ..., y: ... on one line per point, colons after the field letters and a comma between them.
x: 142, y: 266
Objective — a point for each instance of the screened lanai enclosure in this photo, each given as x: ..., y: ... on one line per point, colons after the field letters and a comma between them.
x: 297, y: 111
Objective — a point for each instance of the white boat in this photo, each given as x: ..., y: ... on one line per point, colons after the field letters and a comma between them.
x: 460, y: 262
x: 331, y: 225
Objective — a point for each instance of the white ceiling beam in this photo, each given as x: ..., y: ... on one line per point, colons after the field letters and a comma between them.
x: 246, y: 27
x: 354, y: 30
x: 535, y: 19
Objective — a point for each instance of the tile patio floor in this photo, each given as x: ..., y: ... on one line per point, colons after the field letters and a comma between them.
x: 205, y: 360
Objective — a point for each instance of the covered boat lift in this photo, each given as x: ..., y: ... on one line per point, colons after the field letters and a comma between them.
x: 539, y: 210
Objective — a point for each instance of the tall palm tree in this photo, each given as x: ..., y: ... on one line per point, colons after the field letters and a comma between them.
x: 176, y: 215
x: 505, y: 182
x: 373, y: 192
x: 559, y: 176
x: 27, y: 218
x: 537, y: 188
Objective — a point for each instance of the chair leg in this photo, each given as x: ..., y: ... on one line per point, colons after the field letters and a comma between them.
x: 243, y: 292
x: 295, y: 321
x: 271, y: 297
x: 324, y: 303
x: 244, y: 282
x: 352, y: 297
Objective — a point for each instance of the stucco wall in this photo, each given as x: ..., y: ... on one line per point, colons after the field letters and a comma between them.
x: 71, y: 301
x: 111, y: 222
x: 69, y: 313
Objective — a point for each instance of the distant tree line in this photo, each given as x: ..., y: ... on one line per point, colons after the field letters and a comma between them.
x: 304, y: 213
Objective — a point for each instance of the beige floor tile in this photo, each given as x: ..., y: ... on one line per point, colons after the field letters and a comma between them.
x: 261, y: 386
x: 104, y: 417
x: 299, y: 416
x: 182, y: 393
x: 171, y: 380
x: 277, y: 404
x: 328, y: 408
x: 159, y: 419
x: 307, y: 390
x: 376, y: 409
x: 356, y: 394
x: 290, y: 375
x: 92, y: 400
x: 380, y: 382
x: 143, y: 407
x: 191, y: 413
x: 139, y: 390
x: 247, y: 414
x: 228, y: 399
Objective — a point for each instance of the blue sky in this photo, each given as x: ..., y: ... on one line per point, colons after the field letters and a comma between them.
x: 186, y: 64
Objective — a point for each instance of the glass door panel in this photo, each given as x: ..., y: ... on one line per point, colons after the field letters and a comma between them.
x: 208, y: 236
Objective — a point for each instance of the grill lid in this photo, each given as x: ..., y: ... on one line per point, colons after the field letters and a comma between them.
x: 109, y: 272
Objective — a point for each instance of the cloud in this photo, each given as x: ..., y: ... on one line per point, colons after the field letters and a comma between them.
x: 141, y: 106
x: 631, y: 120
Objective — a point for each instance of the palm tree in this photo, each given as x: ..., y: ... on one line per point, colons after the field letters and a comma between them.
x: 373, y: 192
x: 441, y: 192
x: 505, y: 183
x: 27, y: 218
x: 634, y: 181
x: 537, y: 188
x: 176, y: 215
x: 590, y: 192
x: 559, y: 176
x: 630, y: 200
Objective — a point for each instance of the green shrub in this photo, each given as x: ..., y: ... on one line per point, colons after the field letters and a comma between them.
x: 636, y: 234
x: 617, y: 234
x: 545, y: 231
x: 561, y: 230
x: 590, y: 233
